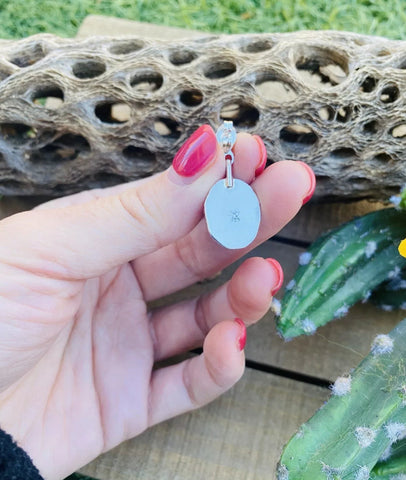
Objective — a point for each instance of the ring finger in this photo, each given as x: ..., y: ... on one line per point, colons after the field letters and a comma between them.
x: 247, y: 295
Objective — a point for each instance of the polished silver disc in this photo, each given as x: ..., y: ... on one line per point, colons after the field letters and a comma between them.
x: 232, y: 214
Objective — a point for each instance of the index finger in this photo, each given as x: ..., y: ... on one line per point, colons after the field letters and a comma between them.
x: 87, y: 240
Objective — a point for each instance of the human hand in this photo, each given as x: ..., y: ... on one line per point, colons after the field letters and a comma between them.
x: 77, y: 344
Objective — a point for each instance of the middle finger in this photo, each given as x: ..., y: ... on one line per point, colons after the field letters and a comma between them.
x: 281, y: 189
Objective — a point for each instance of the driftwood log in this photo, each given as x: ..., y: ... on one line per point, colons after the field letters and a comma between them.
x: 79, y: 114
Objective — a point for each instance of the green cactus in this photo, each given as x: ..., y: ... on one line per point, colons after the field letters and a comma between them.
x: 341, y: 268
x: 393, y: 463
x: 365, y: 415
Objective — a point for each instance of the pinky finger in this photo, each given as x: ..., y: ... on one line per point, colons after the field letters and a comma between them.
x: 197, y: 381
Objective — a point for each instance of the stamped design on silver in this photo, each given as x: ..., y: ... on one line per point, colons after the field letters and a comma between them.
x: 231, y: 208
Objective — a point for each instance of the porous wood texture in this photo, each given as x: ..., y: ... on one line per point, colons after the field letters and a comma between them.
x: 79, y: 114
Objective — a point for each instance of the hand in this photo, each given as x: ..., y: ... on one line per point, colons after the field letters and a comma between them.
x: 77, y: 344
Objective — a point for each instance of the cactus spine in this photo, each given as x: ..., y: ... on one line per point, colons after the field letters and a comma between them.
x: 351, y: 432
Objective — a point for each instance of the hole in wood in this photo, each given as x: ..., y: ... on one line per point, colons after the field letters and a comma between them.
x: 124, y: 47
x: 88, y: 68
x: 368, y: 84
x: 106, y: 179
x: 257, y: 46
x: 191, y: 98
x: 381, y: 162
x: 322, y: 180
x: 297, y: 138
x: 3, y: 75
x: 147, y: 81
x: 389, y: 94
x: 17, y: 133
x: 343, y: 114
x: 11, y: 187
x: 166, y: 127
x: 99, y: 180
x: 50, y: 97
x: 241, y: 114
x: 359, y: 183
x: 142, y: 157
x: 371, y: 127
x: 274, y: 90
x: 321, y: 67
x: 359, y: 41
x: 383, y: 53
x: 219, y: 69
x: 327, y: 113
x: 344, y: 154
x: 399, y: 131
x: 382, y: 157
x: 63, y: 149
x: 112, y: 112
x: 182, y: 57
x: 30, y: 55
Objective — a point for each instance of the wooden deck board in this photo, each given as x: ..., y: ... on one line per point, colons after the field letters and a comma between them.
x: 316, y: 218
x: 239, y: 436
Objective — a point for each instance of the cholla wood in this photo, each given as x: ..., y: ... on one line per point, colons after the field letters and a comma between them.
x: 79, y: 114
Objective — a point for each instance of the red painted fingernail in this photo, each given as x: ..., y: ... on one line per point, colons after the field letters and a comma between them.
x: 197, y: 152
x: 312, y: 177
x: 279, y: 272
x: 242, y: 339
x: 263, y: 155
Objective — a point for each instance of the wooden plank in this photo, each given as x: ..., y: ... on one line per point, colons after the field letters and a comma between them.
x: 316, y: 218
x: 118, y: 27
x: 239, y: 436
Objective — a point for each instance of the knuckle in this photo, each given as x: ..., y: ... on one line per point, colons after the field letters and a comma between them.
x: 201, y: 314
x: 189, y: 386
x: 189, y: 256
x: 140, y: 206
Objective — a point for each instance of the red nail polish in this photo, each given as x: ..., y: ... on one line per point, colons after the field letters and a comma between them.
x: 196, y: 152
x: 243, y: 335
x: 263, y: 155
x: 312, y: 182
x: 279, y: 272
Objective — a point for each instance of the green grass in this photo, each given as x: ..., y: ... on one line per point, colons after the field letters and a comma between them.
x: 20, y: 18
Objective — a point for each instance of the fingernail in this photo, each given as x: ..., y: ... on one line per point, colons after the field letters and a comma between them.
x: 312, y: 177
x: 263, y: 155
x: 279, y: 274
x: 242, y: 339
x: 197, y: 152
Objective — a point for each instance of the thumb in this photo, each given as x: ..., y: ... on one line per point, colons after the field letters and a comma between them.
x: 86, y: 240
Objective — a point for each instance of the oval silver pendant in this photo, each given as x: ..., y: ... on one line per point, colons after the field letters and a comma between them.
x: 232, y: 214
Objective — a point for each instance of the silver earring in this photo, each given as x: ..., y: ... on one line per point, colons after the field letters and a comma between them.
x: 231, y: 208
